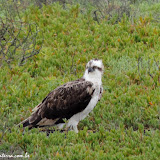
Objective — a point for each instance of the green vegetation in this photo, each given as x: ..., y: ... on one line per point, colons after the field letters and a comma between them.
x: 125, y: 123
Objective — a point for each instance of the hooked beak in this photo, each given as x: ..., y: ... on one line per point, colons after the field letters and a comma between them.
x: 90, y: 69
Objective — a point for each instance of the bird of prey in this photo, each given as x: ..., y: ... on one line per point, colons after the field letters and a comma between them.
x: 72, y: 101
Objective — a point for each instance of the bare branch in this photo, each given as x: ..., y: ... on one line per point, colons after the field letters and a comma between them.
x: 18, y: 40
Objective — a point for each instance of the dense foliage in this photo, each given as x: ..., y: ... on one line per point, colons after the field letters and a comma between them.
x: 124, y: 124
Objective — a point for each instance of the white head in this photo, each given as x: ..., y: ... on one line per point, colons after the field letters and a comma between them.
x: 94, y: 70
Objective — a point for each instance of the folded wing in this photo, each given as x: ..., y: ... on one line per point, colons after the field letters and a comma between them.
x: 63, y: 102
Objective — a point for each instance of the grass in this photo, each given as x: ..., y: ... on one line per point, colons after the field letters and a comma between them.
x: 124, y: 124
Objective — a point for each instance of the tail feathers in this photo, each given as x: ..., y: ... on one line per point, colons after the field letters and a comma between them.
x: 27, y: 123
x: 31, y: 121
x: 35, y: 121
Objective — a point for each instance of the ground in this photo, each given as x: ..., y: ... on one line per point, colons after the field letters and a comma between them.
x: 124, y: 124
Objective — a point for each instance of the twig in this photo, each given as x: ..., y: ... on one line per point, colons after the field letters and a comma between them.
x: 12, y: 46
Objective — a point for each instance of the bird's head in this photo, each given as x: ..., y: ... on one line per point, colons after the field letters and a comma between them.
x: 94, y: 69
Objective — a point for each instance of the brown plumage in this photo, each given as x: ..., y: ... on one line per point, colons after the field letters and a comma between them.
x: 72, y: 101
x: 63, y: 102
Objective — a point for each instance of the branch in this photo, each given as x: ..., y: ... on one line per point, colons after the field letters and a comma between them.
x: 12, y: 46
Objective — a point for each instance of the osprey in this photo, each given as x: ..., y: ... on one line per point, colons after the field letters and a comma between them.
x: 72, y: 101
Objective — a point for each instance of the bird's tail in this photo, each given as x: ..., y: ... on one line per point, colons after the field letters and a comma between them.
x: 37, y: 120
x: 31, y: 121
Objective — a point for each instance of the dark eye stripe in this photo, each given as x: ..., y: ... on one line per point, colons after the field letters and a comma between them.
x: 100, y: 69
x: 95, y: 67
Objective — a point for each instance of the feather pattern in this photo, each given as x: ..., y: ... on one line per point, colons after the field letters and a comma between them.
x: 63, y: 102
x: 66, y: 100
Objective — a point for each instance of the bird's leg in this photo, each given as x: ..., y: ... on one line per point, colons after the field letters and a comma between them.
x: 72, y: 125
x: 74, y: 128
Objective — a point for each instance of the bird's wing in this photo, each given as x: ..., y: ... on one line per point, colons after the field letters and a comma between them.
x: 65, y: 101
